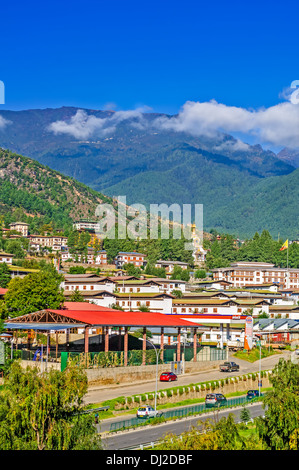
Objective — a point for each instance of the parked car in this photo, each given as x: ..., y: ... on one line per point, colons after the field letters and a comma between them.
x: 148, y: 412
x: 215, y: 399
x: 168, y: 377
x: 252, y: 394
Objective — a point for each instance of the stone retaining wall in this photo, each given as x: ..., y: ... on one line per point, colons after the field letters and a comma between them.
x: 178, y: 394
x: 130, y: 374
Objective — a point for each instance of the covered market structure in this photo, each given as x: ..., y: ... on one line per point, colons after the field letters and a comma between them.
x: 83, y: 315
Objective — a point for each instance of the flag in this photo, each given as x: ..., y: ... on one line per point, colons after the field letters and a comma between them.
x: 284, y: 246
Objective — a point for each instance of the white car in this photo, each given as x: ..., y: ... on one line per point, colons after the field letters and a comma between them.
x: 147, y: 412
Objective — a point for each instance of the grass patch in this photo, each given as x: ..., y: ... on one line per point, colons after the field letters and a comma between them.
x: 254, y: 354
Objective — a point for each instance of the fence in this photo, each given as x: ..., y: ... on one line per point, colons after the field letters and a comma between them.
x: 93, y: 360
x: 183, y: 412
x: 138, y: 357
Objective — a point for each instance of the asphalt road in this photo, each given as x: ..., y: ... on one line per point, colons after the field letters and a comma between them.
x: 99, y: 394
x: 135, y: 438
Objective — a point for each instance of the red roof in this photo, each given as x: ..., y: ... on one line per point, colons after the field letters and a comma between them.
x: 91, y: 314
x: 3, y: 291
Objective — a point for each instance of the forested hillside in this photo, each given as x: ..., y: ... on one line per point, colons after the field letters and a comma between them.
x: 38, y: 195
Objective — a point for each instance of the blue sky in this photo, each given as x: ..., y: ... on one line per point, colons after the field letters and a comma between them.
x: 160, y: 54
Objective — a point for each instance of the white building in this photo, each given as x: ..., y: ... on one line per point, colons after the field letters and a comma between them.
x: 6, y: 258
x: 87, y: 282
x: 20, y: 227
x: 130, y: 257
x: 246, y: 273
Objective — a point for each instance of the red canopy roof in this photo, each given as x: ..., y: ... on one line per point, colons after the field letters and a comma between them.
x: 84, y: 312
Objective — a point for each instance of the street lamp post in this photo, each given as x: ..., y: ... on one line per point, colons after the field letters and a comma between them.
x: 157, y: 359
x: 260, y: 346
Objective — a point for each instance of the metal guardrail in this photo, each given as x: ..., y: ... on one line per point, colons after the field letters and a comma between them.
x: 182, y: 412
x: 93, y: 410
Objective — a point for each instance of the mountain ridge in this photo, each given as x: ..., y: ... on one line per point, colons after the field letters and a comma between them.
x: 128, y: 154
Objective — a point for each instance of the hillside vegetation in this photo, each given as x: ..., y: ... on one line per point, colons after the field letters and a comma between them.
x: 41, y: 195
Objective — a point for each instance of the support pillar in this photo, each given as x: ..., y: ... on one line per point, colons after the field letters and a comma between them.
x: 56, y: 334
x: 106, y: 338
x: 119, y: 338
x: 162, y: 345
x: 179, y: 345
x: 86, y: 339
x: 144, y: 346
x: 221, y: 335
x: 195, y: 344
x: 126, y: 346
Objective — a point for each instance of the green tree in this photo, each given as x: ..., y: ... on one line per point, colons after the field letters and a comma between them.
x: 245, y: 414
x: 200, y: 274
x: 34, y: 292
x: 15, y: 248
x: 131, y: 270
x: 44, y: 411
x: 5, y: 275
x: 279, y: 429
x: 77, y: 270
x: 76, y: 296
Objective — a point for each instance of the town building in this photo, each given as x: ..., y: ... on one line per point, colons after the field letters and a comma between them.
x: 6, y: 258
x: 87, y: 282
x: 127, y: 257
x: 170, y: 265
x: 86, y: 225
x: 243, y: 273
x: 20, y: 227
x: 55, y: 242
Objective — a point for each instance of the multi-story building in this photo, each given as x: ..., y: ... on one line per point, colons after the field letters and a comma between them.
x: 127, y: 257
x: 245, y: 273
x: 138, y: 286
x: 87, y: 282
x: 86, y: 224
x: 20, y: 227
x: 220, y: 306
x: 56, y: 242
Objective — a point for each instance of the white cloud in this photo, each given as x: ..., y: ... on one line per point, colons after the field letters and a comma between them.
x: 274, y: 126
x: 4, y: 122
x: 84, y: 126
x: 233, y: 146
x: 277, y: 125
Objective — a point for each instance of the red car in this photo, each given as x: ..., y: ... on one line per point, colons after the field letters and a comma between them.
x: 168, y: 377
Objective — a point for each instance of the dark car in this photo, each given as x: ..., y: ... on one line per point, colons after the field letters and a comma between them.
x: 215, y: 399
x: 168, y: 377
x: 252, y: 394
